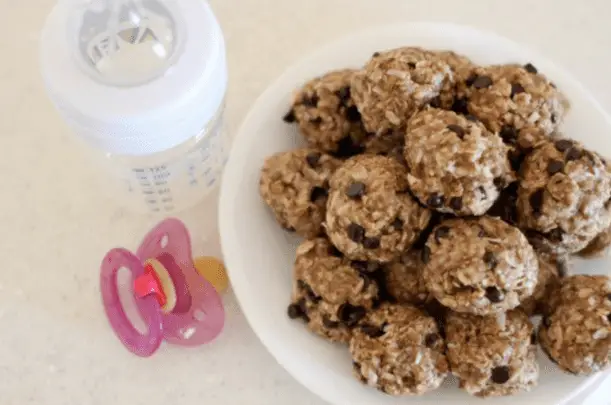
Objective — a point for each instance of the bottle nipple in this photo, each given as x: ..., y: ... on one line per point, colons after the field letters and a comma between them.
x: 126, y: 42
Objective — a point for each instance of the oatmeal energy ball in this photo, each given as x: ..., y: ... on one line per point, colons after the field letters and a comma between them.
x: 577, y: 335
x: 480, y: 266
x: 492, y: 355
x: 563, y: 198
x: 399, y: 351
x: 395, y: 84
x: 295, y: 185
x: 326, y: 115
x: 507, y: 98
x: 329, y: 294
x: 455, y: 165
x: 370, y: 214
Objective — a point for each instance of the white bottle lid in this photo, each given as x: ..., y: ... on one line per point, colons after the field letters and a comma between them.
x: 135, y: 112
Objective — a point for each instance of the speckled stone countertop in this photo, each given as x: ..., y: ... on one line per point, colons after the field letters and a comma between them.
x: 55, y: 344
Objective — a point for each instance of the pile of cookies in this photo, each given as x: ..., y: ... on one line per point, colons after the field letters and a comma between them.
x: 440, y: 205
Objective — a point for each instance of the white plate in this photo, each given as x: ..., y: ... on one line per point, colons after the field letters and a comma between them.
x: 259, y: 254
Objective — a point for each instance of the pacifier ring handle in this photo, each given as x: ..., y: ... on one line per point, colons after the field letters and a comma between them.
x: 143, y: 345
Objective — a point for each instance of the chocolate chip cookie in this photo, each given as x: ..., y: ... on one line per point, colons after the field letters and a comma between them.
x: 396, y: 83
x: 455, y: 165
x: 480, y: 266
x: 328, y: 293
x: 507, y: 98
x: 398, y: 350
x: 563, y: 198
x: 295, y: 186
x: 492, y: 355
x: 326, y: 115
x: 370, y: 213
x: 577, y: 334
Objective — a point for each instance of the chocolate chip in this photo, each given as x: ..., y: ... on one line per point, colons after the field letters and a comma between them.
x: 310, y: 101
x: 536, y: 201
x: 411, y: 65
x: 573, y: 154
x: 456, y: 203
x: 500, y: 375
x: 355, y: 190
x: 471, y: 118
x: 499, y: 183
x: 554, y: 166
x: 516, y: 88
x: 294, y: 311
x: 318, y: 193
x: 490, y: 260
x: 344, y: 94
x: 359, y: 265
x: 553, y: 118
x: 353, y: 114
x: 289, y: 117
x: 435, y: 200
x: 313, y: 158
x: 356, y: 233
x: 350, y: 315
x: 494, y: 295
x: 563, y: 145
x: 509, y: 134
x: 555, y: 235
x: 530, y: 68
x: 516, y: 158
x: 426, y: 254
x: 431, y: 339
x: 435, y: 102
x: 316, y: 120
x: 346, y: 147
x: 546, y: 321
x: 481, y: 82
x: 397, y: 223
x: 304, y: 309
x: 457, y: 129
x: 333, y: 251
x: 373, y: 331
x: 609, y: 297
x: 471, y: 79
x: 533, y: 338
x: 609, y: 317
x: 328, y: 323
x: 371, y: 243
x: 460, y: 106
x: 441, y: 232
x: 376, y: 54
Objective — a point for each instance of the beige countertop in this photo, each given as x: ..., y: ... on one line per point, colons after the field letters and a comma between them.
x: 55, y: 344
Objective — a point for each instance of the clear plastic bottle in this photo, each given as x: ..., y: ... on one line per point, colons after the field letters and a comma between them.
x: 143, y: 83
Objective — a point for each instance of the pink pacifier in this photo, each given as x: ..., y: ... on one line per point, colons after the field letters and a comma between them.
x: 174, y: 301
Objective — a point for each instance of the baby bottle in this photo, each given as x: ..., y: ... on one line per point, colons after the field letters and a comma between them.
x: 142, y: 83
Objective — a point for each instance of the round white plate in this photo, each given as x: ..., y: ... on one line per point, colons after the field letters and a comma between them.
x: 259, y: 254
